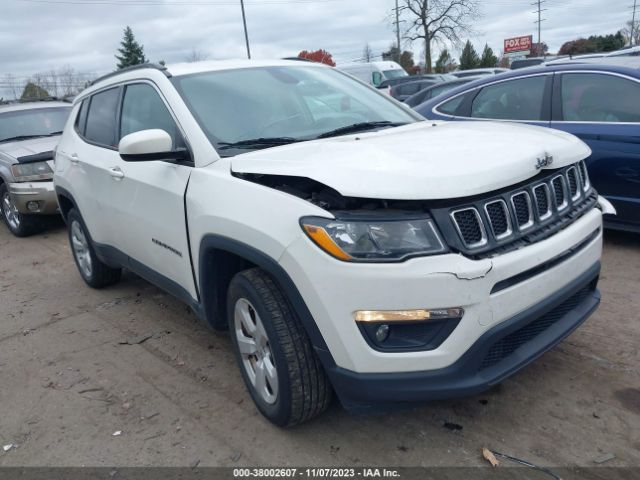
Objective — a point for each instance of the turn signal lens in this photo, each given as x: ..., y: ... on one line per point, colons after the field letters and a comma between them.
x: 320, y: 236
x: 407, y: 315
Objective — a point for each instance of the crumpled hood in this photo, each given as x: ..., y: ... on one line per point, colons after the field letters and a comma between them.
x: 422, y: 161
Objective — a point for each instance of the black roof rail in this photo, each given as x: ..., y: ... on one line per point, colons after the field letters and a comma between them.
x: 299, y: 59
x: 155, y: 66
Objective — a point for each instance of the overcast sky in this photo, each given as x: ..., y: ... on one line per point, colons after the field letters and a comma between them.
x: 38, y: 35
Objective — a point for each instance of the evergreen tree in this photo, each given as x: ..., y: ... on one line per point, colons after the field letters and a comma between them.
x: 488, y: 60
x: 469, y: 58
x: 131, y: 52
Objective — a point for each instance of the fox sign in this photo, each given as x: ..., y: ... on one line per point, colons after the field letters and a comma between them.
x: 518, y: 44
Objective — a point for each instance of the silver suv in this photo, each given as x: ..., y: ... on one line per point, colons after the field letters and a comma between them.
x: 28, y: 134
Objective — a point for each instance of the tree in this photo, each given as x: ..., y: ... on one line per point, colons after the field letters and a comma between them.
x: 488, y: 60
x: 444, y: 62
x: 131, y: 52
x: 195, y: 56
x: 505, y: 62
x: 319, y: 56
x: 438, y: 21
x: 33, y: 92
x: 367, y: 53
x: 469, y: 58
x: 539, y: 50
x: 593, y: 44
x: 405, y: 59
x: 627, y: 31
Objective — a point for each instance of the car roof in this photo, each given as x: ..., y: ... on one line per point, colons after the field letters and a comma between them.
x: 188, y: 68
x: 16, y: 107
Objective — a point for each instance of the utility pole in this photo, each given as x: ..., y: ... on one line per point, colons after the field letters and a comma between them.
x: 397, y: 23
x: 540, y: 20
x: 633, y: 23
x: 246, y: 34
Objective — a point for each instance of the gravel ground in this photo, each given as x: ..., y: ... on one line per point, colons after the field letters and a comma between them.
x: 75, y: 369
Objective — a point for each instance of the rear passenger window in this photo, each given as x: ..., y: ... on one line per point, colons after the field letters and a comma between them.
x: 101, y: 119
x: 450, y: 107
x: 520, y: 99
x: 143, y: 109
x: 81, y: 119
x: 592, y: 97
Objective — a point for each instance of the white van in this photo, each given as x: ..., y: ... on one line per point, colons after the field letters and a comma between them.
x: 374, y: 73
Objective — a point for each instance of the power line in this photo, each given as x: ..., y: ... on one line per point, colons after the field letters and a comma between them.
x: 173, y: 2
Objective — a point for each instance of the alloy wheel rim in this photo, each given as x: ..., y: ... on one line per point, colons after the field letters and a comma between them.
x: 10, y: 212
x: 255, y: 351
x: 81, y: 249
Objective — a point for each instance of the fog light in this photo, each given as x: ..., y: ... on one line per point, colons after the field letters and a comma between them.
x: 407, y: 315
x: 382, y: 333
x: 33, y: 206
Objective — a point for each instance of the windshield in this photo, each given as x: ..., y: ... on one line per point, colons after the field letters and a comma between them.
x: 35, y: 122
x: 279, y: 105
x: 394, y: 74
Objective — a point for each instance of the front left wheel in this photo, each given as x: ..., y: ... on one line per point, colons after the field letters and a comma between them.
x: 19, y: 224
x: 278, y: 363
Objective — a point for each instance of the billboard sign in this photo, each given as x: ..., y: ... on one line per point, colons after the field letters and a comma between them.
x: 518, y: 45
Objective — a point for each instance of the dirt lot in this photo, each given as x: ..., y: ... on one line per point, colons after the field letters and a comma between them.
x: 69, y: 381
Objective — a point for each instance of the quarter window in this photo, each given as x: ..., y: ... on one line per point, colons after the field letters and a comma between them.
x: 143, y: 109
x: 593, y: 97
x: 451, y: 106
x: 101, y: 119
x: 520, y: 99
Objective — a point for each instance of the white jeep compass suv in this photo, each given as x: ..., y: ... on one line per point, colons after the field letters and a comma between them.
x: 348, y: 245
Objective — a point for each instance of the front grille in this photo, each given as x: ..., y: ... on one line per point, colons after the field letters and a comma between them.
x: 559, y: 192
x: 498, y: 214
x: 469, y: 226
x: 522, y: 208
x: 514, y: 218
x: 584, y: 176
x: 509, y: 344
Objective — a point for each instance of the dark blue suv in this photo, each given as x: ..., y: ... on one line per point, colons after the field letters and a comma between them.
x: 598, y: 103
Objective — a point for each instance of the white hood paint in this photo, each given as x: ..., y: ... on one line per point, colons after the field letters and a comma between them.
x: 422, y: 161
x: 22, y: 148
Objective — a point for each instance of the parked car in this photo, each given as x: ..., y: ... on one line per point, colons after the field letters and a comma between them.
x: 529, y: 62
x: 374, y: 73
x: 435, y: 77
x: 367, y: 253
x: 475, y: 72
x: 435, y: 90
x: 28, y: 134
x: 404, y: 90
x: 598, y: 103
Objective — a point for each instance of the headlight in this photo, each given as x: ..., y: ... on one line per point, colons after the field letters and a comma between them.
x: 28, y: 172
x: 374, y: 240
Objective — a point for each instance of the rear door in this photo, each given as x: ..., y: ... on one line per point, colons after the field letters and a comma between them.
x: 603, y: 109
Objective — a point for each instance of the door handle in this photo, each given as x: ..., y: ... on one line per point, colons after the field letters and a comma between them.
x: 74, y: 158
x: 116, y: 173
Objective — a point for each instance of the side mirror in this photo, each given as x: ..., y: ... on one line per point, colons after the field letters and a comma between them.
x: 147, y: 145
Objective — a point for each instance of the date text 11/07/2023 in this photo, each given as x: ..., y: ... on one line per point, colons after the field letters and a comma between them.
x: 315, y: 472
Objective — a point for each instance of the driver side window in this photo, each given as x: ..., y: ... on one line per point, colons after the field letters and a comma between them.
x: 143, y: 109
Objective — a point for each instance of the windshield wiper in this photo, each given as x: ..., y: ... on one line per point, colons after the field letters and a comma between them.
x: 27, y: 137
x: 20, y: 137
x: 256, y: 143
x: 360, y: 127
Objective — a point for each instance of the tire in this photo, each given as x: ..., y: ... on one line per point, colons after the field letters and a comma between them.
x: 19, y: 224
x: 300, y: 389
x: 93, y: 271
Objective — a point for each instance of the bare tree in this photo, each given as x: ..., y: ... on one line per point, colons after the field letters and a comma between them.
x: 438, y: 21
x: 196, y: 56
x: 627, y: 31
x: 12, y: 85
x: 367, y: 53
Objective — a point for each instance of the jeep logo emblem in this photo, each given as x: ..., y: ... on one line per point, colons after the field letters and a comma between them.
x: 544, y: 162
